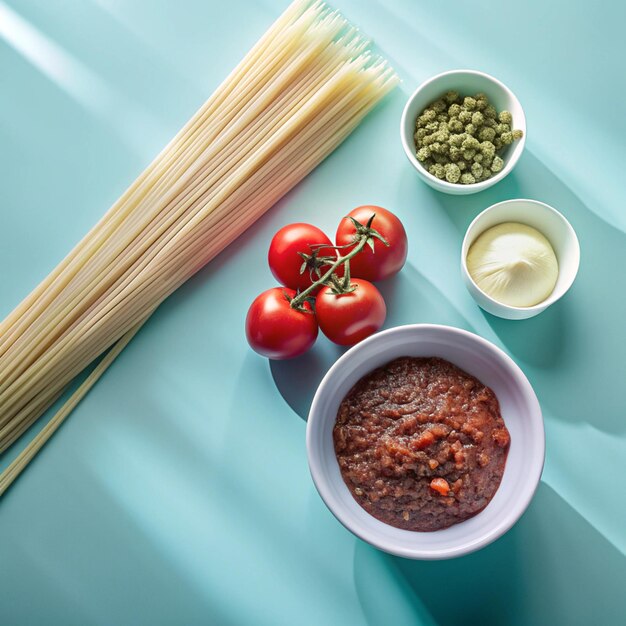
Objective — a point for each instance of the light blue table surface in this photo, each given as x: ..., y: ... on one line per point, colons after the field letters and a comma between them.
x: 178, y: 492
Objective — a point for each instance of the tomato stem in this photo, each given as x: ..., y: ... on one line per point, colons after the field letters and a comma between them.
x: 298, y: 301
x: 364, y: 235
x: 324, y: 245
x: 346, y: 275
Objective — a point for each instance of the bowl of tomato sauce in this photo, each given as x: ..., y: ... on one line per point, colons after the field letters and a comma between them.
x: 426, y: 441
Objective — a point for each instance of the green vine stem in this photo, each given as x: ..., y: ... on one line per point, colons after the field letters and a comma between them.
x: 346, y: 276
x: 298, y: 301
x: 364, y: 235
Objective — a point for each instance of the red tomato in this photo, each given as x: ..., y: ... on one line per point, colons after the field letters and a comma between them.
x: 283, y: 257
x: 384, y: 261
x: 277, y: 331
x: 349, y: 318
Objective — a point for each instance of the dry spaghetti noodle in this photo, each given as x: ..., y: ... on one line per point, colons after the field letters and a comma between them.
x: 297, y: 94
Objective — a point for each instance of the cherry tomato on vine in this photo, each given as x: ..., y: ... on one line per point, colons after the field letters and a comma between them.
x: 350, y: 317
x: 383, y: 261
x: 275, y: 329
x: 287, y: 264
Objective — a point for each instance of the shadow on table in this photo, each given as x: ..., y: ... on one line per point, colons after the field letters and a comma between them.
x: 568, y: 347
x: 297, y: 379
x: 538, y: 341
x: 577, y: 343
x: 552, y: 564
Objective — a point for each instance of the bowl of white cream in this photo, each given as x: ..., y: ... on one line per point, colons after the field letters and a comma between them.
x: 518, y: 258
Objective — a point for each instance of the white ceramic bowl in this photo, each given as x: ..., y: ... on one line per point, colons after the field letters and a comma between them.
x: 520, y: 410
x: 547, y: 221
x: 467, y: 83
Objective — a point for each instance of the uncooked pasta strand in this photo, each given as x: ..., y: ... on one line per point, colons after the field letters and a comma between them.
x: 137, y: 185
x: 92, y: 328
x: 167, y: 155
x: 251, y: 163
x: 70, y: 306
x: 249, y: 218
x: 17, y: 466
x: 96, y: 271
x: 296, y: 95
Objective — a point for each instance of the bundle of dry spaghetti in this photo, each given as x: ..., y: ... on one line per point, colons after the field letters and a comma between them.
x: 297, y: 94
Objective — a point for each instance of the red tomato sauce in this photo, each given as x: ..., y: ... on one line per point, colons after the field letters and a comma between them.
x: 421, y: 444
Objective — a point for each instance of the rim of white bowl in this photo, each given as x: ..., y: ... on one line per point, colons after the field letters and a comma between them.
x: 509, y: 164
x: 555, y: 295
x: 503, y: 524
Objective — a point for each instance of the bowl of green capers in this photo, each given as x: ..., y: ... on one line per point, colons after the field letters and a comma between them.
x: 463, y: 131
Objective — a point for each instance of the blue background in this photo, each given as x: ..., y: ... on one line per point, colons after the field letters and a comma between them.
x: 178, y: 492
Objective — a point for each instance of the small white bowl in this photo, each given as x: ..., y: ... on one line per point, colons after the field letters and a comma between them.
x: 467, y: 83
x: 520, y: 411
x: 548, y: 221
